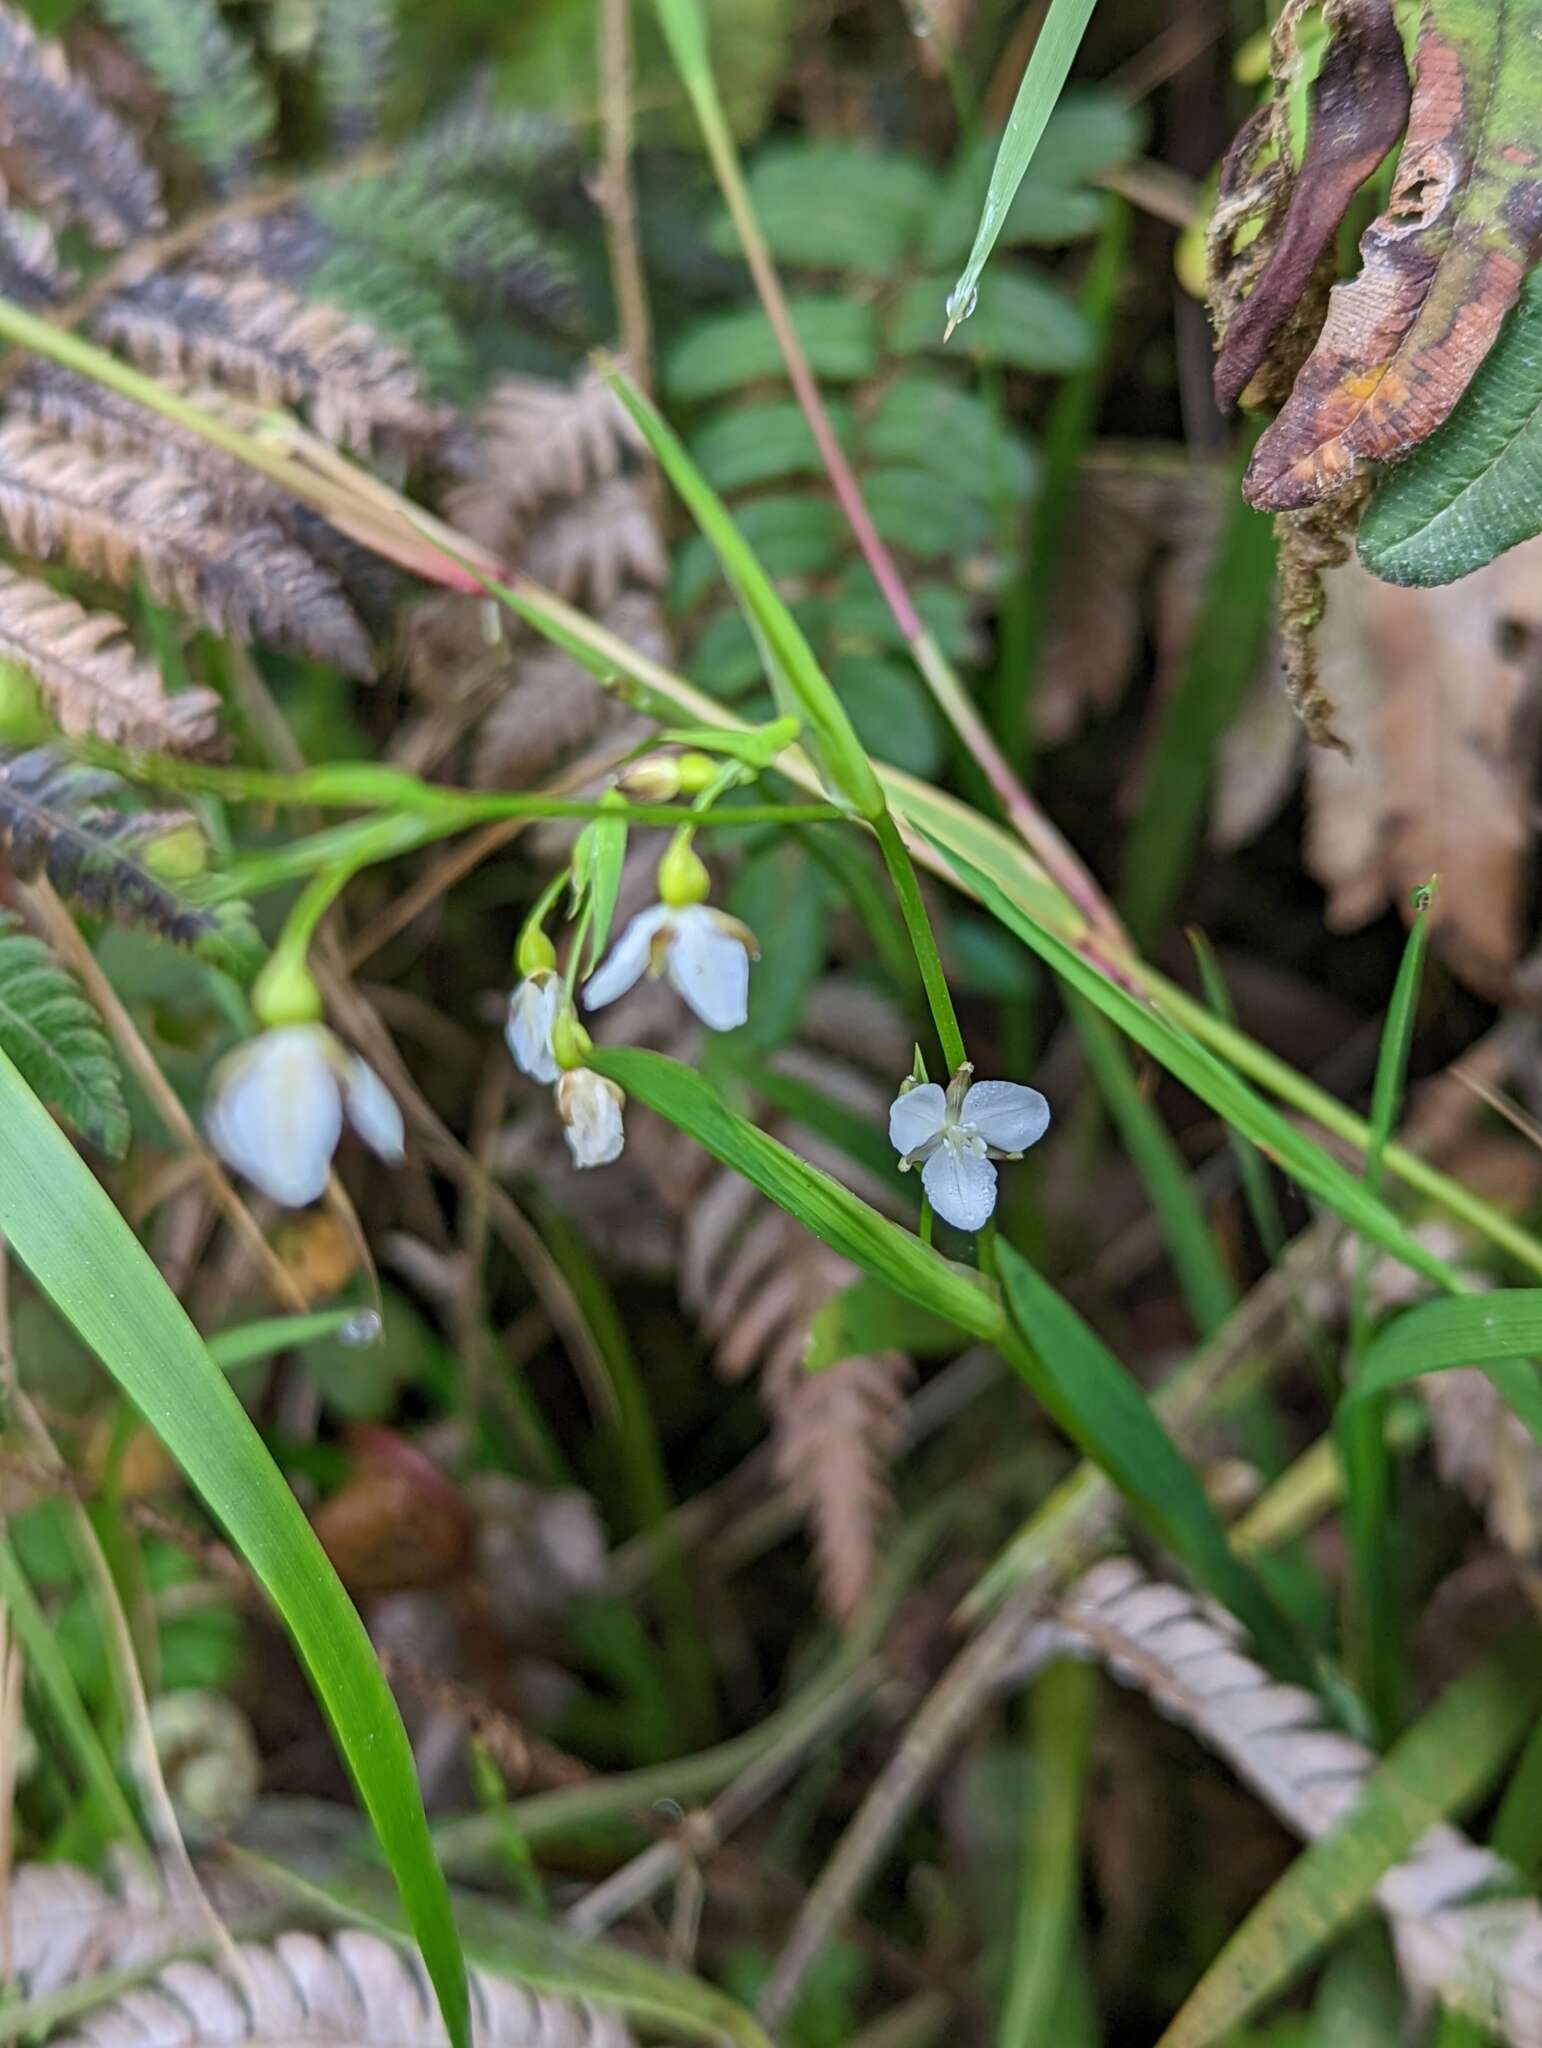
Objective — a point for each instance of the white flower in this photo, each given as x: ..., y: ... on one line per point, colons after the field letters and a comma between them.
x: 704, y: 955
x: 534, y: 1009
x: 954, y: 1137
x: 276, y: 1110
x: 590, y: 1109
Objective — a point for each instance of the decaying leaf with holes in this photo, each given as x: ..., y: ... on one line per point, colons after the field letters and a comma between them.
x: 1441, y: 266
x: 1359, y: 108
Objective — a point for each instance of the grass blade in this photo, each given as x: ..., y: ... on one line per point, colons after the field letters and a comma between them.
x: 246, y: 1343
x: 63, y: 1227
x: 51, y: 1675
x: 1048, y: 68
x: 1500, y: 1333
x: 1094, y: 1400
x: 1202, y: 1276
x: 1376, y: 1619
x: 1222, y: 659
x: 1061, y: 1712
x: 1445, y: 1762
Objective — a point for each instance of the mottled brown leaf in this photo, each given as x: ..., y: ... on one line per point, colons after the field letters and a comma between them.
x: 1441, y: 266
x: 1436, y: 693
x: 1359, y: 108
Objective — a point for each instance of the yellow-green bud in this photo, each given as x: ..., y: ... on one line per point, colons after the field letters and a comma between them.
x: 698, y: 772
x: 656, y: 779
x: 683, y: 876
x: 178, y: 855
x: 570, y: 1043
x: 284, y: 993
x: 534, y: 951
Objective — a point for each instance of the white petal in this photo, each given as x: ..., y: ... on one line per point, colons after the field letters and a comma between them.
x: 1007, y: 1115
x: 534, y: 1008
x: 373, y: 1112
x: 916, y: 1118
x: 590, y: 1108
x: 709, y: 966
x: 276, y: 1113
x: 960, y: 1187
x: 628, y: 958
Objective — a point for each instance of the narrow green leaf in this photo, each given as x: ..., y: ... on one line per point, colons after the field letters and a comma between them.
x: 1048, y: 69
x: 837, y: 1217
x: 62, y: 1226
x: 830, y: 732
x: 245, y: 1343
x: 1443, y: 1765
x: 1061, y: 1712
x: 1256, y: 1186
x: 1207, y: 1286
x: 57, y: 1042
x: 1094, y: 1400
x: 1212, y: 1081
x: 1376, y: 1596
x: 1494, y: 1331
x: 50, y: 1673
x: 1222, y: 659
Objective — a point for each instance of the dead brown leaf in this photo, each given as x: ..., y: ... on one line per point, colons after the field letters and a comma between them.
x: 1435, y: 692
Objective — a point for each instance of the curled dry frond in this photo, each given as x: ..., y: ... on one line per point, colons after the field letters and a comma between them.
x: 114, y: 519
x: 64, y: 151
x: 92, y: 678
x: 264, y: 340
x: 1455, y: 1939
x: 538, y: 439
x: 351, y: 1990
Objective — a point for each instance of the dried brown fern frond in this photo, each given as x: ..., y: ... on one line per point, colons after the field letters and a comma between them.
x: 590, y: 551
x: 551, y: 708
x: 112, y: 518
x: 92, y: 678
x: 538, y: 439
x: 1455, y: 1940
x: 30, y: 270
x: 62, y: 150
x: 78, y: 410
x: 265, y: 341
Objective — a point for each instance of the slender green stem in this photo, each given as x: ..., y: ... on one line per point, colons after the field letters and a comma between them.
x: 923, y: 941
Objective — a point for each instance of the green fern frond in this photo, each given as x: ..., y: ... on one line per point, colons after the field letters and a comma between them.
x: 56, y: 1040
x: 355, y: 43
x: 403, y: 307
x: 837, y: 206
x: 487, y: 249
x: 475, y: 141
x: 729, y: 350
x: 221, y: 107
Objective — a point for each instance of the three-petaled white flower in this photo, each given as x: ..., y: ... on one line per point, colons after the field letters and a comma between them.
x: 590, y: 1109
x: 704, y: 955
x: 276, y: 1110
x: 534, y: 1009
x: 954, y: 1135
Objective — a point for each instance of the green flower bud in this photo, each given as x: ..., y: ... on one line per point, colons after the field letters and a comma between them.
x: 570, y: 1043
x: 534, y: 951
x: 683, y: 876
x: 285, y: 993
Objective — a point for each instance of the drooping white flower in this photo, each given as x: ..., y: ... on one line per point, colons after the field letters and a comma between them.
x: 276, y: 1108
x: 954, y: 1135
x: 534, y: 1008
x: 703, y: 954
x: 590, y: 1109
